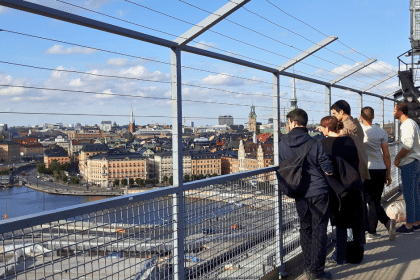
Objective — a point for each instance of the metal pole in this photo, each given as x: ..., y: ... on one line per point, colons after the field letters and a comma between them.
x: 360, y: 103
x: 396, y: 127
x: 382, y: 113
x: 278, y: 203
x: 328, y: 100
x: 178, y: 202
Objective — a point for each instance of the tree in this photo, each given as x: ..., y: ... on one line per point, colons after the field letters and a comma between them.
x: 186, y: 177
x: 171, y: 180
x: 5, y: 172
x: 165, y: 179
x: 193, y: 177
x: 200, y: 176
x: 131, y: 181
x: 55, y: 166
x: 154, y: 181
x: 64, y: 178
x: 117, y: 182
x: 147, y: 181
x: 124, y: 182
x: 65, y: 166
x: 40, y: 167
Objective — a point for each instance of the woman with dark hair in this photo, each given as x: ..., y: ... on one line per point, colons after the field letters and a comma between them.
x: 346, y: 198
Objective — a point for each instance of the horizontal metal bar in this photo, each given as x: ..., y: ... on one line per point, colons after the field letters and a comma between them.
x: 209, y: 22
x: 313, y: 49
x: 83, y: 21
x: 226, y: 178
x: 353, y: 70
x: 91, y: 207
x: 374, y: 84
x: 78, y: 210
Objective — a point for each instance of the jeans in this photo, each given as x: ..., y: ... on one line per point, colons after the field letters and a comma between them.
x: 373, y: 192
x: 314, y: 214
x: 410, y: 180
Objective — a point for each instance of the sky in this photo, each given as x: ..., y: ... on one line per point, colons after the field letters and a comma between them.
x: 52, y: 71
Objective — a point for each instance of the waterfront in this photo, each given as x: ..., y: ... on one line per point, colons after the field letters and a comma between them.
x: 20, y: 200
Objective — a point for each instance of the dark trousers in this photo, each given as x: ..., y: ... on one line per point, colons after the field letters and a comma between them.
x: 314, y: 213
x: 373, y: 192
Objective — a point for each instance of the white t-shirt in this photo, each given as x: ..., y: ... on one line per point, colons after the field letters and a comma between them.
x: 410, y: 137
x: 374, y: 137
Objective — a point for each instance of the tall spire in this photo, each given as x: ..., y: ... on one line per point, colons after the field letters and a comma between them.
x: 132, y: 116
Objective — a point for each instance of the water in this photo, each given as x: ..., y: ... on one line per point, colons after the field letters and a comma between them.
x: 20, y: 200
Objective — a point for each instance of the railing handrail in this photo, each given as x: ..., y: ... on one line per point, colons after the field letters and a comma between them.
x: 64, y: 213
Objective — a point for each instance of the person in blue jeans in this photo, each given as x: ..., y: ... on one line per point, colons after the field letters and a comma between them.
x: 408, y: 160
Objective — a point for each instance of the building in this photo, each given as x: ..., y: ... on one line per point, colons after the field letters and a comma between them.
x: 106, y: 126
x: 132, y: 123
x: 206, y: 163
x: 56, y: 153
x: 225, y: 120
x: 9, y: 151
x: 252, y: 120
x: 104, y: 169
x: 90, y: 150
x: 162, y: 165
x: 32, y: 150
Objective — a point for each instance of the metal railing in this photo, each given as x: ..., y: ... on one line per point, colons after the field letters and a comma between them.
x: 230, y: 228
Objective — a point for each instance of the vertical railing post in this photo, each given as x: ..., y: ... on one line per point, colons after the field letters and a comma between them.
x: 177, y: 202
x: 277, y: 195
x: 328, y: 100
x: 360, y: 104
x: 382, y: 113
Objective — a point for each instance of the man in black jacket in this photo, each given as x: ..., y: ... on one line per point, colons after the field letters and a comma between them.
x: 313, y: 208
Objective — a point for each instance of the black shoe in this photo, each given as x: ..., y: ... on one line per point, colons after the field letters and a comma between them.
x: 416, y: 228
x: 405, y: 230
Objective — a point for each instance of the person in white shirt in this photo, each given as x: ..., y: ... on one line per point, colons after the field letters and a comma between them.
x: 379, y: 164
x: 408, y: 160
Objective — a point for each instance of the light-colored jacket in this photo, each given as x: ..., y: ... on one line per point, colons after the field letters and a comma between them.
x: 352, y: 128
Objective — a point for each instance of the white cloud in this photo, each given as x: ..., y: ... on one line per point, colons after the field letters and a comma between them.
x: 76, y: 83
x: 377, y: 69
x: 96, y: 4
x: 59, y: 49
x: 142, y: 72
x: 17, y: 99
x: 117, y: 61
x: 3, y: 9
x: 11, y: 91
x: 205, y: 45
x: 107, y: 94
x: 222, y: 80
x: 59, y: 74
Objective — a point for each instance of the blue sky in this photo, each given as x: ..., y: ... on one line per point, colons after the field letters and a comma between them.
x: 366, y: 29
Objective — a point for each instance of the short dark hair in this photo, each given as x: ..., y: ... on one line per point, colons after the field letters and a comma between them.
x: 402, y: 107
x: 341, y: 105
x: 330, y: 122
x: 299, y: 116
x: 368, y: 113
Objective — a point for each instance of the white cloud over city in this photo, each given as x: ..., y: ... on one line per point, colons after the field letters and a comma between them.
x: 60, y: 49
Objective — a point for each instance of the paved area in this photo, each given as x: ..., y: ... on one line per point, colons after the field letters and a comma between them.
x: 384, y: 259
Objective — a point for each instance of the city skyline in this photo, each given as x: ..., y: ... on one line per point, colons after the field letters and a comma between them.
x: 99, y: 74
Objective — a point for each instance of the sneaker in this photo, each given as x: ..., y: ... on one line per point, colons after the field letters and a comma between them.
x: 416, y: 228
x: 405, y: 230
x: 390, y: 225
x: 371, y: 236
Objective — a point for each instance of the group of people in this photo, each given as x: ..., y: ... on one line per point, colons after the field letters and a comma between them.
x: 345, y: 174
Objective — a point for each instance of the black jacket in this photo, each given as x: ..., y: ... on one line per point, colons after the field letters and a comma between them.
x: 317, y: 162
